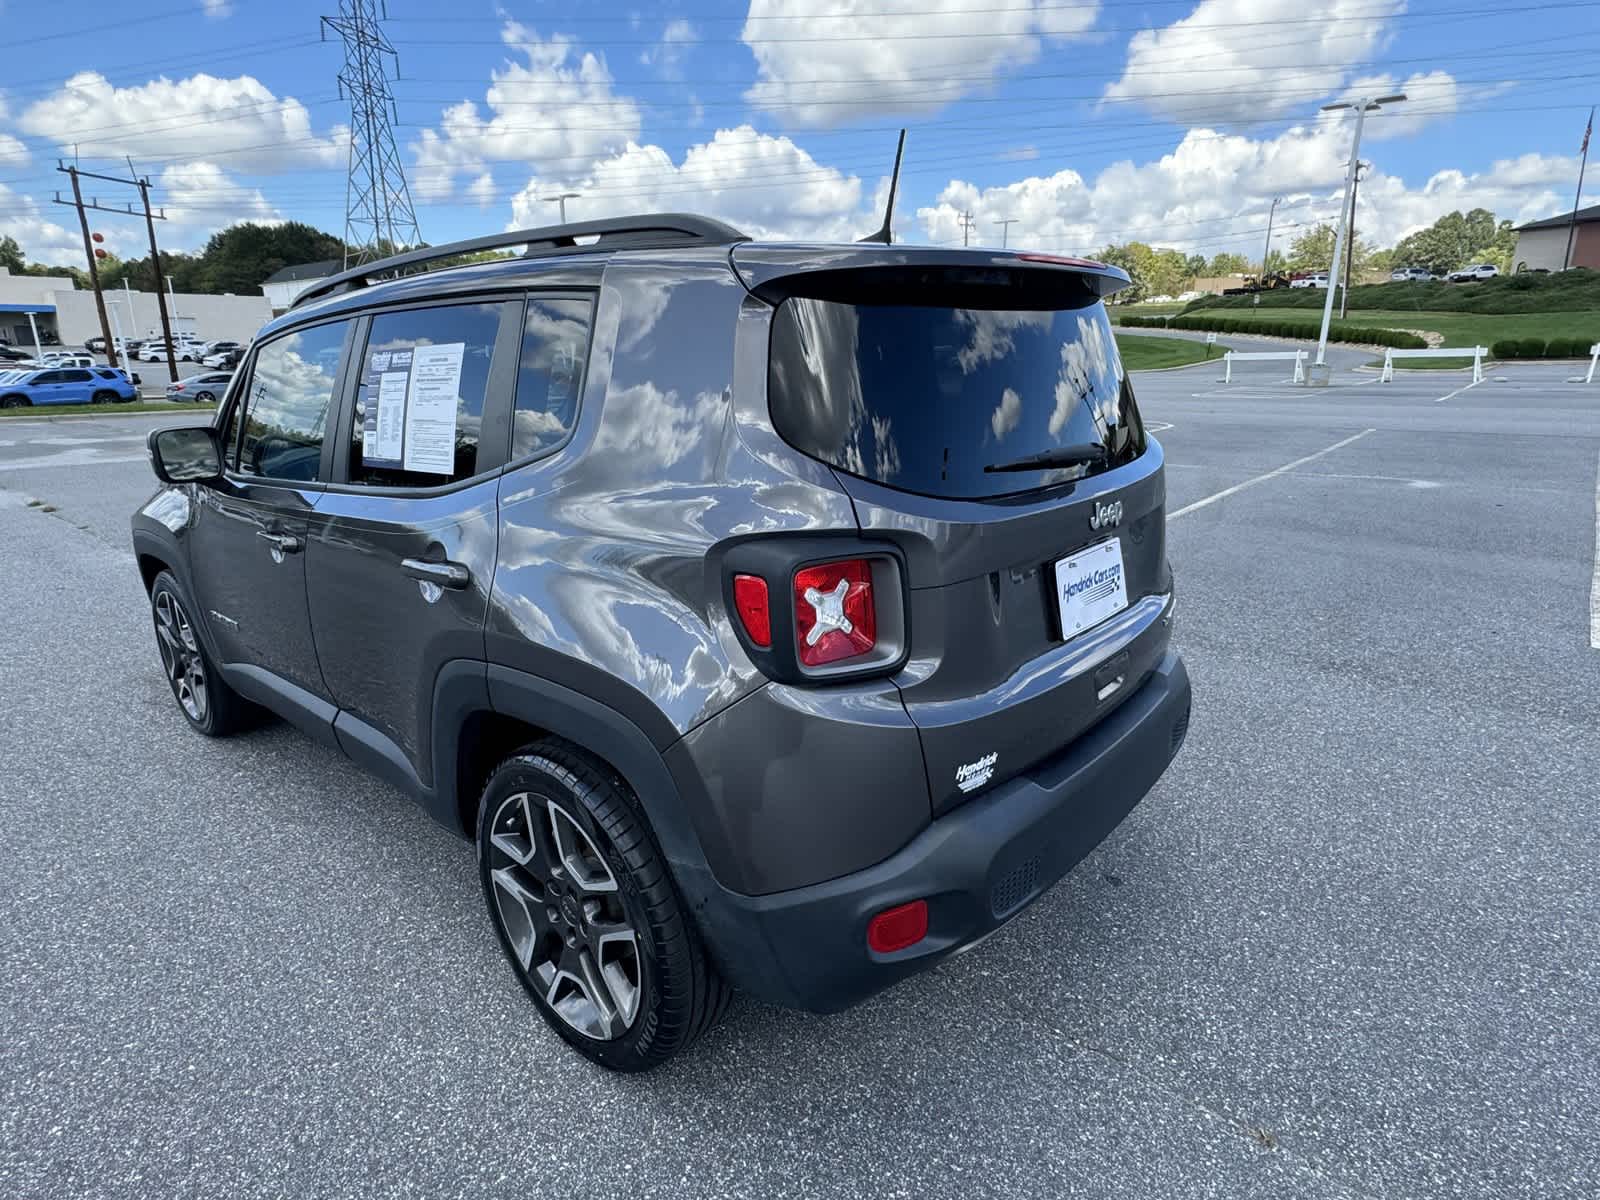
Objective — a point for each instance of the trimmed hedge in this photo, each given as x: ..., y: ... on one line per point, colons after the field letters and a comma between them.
x: 1556, y: 347
x: 1577, y: 290
x: 1338, y: 331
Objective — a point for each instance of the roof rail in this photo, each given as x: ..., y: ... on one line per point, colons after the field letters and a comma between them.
x: 649, y: 231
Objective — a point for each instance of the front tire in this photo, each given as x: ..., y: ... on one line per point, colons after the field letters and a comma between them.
x: 585, y: 910
x: 15, y: 402
x: 207, y: 702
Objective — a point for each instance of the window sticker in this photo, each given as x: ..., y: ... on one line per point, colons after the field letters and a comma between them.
x: 383, y: 407
x: 431, y: 406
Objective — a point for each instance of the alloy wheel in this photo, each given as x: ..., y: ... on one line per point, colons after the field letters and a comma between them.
x: 180, y: 654
x: 563, y: 915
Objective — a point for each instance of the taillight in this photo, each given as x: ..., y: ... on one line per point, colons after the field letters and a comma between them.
x: 833, y: 612
x: 896, y: 928
x: 755, y: 613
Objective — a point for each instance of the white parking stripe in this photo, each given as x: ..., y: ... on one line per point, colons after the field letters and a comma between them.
x: 1594, y: 585
x: 1272, y: 474
x: 1457, y: 392
x: 69, y: 458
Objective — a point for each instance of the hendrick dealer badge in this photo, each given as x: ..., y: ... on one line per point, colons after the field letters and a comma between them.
x: 1091, y: 586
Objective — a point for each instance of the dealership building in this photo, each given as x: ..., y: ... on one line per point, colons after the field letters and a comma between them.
x: 1542, y: 245
x: 60, y: 308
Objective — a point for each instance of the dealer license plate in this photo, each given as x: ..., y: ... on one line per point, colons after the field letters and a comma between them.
x: 1091, y: 586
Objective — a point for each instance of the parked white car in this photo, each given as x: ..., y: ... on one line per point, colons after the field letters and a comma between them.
x: 1410, y: 275
x: 1317, y: 279
x: 1479, y: 271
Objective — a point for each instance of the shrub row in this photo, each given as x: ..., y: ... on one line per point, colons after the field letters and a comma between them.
x: 1577, y: 290
x: 1556, y: 347
x: 1338, y: 331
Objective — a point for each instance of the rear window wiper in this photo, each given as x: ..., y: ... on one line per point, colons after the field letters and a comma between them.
x: 1062, y: 456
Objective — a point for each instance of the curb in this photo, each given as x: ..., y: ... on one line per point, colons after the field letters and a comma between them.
x: 53, y: 417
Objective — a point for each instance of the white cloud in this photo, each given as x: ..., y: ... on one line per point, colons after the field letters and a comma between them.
x: 201, y: 116
x: 203, y: 194
x: 12, y: 152
x: 1213, y: 191
x: 1006, y: 414
x: 668, y: 54
x: 47, y: 241
x: 1226, y: 62
x: 217, y: 9
x: 557, y: 109
x: 859, y: 66
x: 766, y: 185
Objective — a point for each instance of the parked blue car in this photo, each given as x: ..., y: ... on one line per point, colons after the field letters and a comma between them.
x: 65, y: 385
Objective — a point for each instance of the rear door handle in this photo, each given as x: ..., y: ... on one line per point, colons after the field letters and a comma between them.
x: 445, y: 574
x: 281, y: 543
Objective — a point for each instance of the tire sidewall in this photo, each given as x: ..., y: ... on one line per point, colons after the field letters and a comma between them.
x: 167, y: 582
x: 539, y: 775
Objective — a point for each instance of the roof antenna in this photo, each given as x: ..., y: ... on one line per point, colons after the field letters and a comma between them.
x: 883, y: 235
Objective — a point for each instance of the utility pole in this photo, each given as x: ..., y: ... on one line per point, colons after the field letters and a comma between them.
x: 966, y: 227
x: 1583, y: 165
x: 1350, y: 246
x: 94, y: 270
x: 378, y: 217
x: 1005, y: 229
x: 562, y: 201
x: 1362, y: 106
x: 155, y: 270
x: 1266, y: 253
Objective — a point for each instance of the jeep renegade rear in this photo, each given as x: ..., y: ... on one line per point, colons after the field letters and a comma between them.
x: 777, y: 616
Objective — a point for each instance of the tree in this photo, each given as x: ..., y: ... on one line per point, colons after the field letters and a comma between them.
x: 240, y: 257
x: 1195, y: 265
x: 1457, y: 240
x: 1227, y: 263
x: 11, y: 255
x: 1313, y: 251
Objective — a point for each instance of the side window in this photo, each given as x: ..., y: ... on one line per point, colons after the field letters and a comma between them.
x: 424, y: 378
x: 555, y: 345
x: 75, y: 377
x: 286, y: 405
x: 49, y: 377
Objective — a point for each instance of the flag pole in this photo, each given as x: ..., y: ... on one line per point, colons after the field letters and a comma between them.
x: 1583, y: 165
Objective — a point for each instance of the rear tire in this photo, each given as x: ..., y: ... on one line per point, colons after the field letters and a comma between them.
x: 204, y: 398
x: 207, y: 702
x: 586, y: 911
x: 106, y: 397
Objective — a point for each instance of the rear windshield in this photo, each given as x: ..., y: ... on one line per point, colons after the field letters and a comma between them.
x: 924, y: 398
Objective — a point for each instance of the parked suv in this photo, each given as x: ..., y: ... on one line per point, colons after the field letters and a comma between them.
x: 781, y: 617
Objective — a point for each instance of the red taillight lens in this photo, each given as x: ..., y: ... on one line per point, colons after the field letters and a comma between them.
x: 833, y: 613
x: 755, y: 614
x: 896, y: 928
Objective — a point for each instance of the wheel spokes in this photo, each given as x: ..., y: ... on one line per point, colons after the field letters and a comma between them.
x: 576, y: 854
x: 522, y: 914
x: 513, y: 833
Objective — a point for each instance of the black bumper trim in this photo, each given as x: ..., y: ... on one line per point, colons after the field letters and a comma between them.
x: 977, y: 866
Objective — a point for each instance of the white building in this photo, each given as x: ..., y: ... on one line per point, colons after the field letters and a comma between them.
x: 283, y: 288
x: 59, y: 307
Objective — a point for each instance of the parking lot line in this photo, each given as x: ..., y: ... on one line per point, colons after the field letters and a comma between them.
x: 1594, y: 583
x: 1457, y: 392
x: 1272, y: 474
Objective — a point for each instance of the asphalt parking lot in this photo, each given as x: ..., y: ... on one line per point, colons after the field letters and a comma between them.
x: 1349, y: 947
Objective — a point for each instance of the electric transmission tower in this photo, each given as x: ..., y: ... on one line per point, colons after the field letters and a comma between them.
x: 378, y: 217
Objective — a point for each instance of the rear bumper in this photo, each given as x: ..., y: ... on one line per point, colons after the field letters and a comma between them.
x: 977, y: 867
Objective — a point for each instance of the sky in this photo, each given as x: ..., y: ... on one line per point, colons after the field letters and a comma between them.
x: 1082, y: 122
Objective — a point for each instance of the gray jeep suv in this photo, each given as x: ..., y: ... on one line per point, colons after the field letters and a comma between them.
x: 779, y: 617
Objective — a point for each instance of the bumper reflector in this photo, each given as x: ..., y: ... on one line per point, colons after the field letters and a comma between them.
x: 896, y: 928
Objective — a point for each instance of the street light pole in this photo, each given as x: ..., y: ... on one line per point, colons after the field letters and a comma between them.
x: 1362, y: 107
x: 1005, y: 230
x: 562, y: 201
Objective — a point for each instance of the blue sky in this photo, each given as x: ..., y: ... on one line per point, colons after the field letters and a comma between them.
x: 1082, y: 122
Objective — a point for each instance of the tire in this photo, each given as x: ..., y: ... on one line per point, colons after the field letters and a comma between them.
x: 106, y: 397
x: 15, y: 402
x: 204, y: 698
x: 204, y: 398
x: 592, y: 925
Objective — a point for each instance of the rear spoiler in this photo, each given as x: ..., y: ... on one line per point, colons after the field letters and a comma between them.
x: 773, y: 272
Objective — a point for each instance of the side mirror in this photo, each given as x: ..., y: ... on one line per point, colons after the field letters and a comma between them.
x: 187, y: 455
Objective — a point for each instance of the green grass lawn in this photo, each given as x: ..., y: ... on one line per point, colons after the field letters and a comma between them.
x: 109, y: 410
x: 1458, y: 329
x: 1149, y: 310
x: 1151, y: 353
